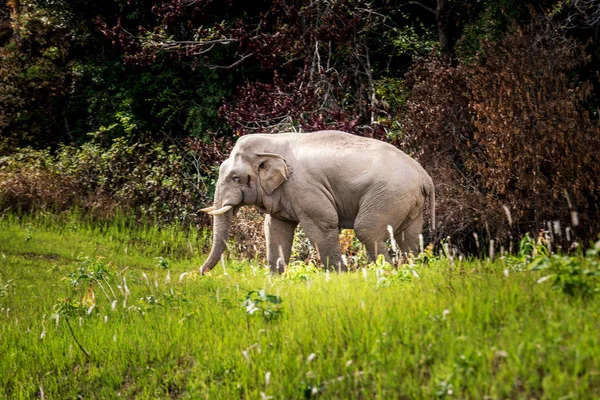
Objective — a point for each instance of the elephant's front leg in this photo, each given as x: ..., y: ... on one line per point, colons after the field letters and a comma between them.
x: 279, y: 235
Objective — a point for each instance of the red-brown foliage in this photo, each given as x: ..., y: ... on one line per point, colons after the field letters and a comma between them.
x: 508, y: 132
x: 538, y: 148
x: 281, y: 107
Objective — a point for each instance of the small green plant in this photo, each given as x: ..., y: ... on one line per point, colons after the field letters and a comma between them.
x: 388, y: 275
x: 67, y: 309
x: 426, y: 256
x: 88, y: 274
x: 521, y: 260
x: 300, y: 271
x: 162, y: 262
x: 28, y: 231
x: 169, y: 299
x: 380, y: 264
x: 90, y: 270
x: 574, y: 276
x: 259, y: 302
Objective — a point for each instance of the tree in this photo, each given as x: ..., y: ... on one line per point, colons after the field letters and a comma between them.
x: 509, y: 134
x: 36, y: 75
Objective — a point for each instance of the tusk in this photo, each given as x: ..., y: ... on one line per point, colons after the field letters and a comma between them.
x: 207, y: 209
x: 221, y: 210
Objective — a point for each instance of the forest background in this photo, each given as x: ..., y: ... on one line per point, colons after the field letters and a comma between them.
x: 128, y: 106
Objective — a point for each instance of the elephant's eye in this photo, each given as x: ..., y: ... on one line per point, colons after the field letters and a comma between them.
x: 236, y: 179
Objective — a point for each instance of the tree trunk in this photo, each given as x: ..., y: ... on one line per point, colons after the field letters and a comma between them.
x: 446, y: 29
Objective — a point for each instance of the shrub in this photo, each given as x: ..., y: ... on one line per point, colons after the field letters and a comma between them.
x: 152, y: 181
x: 30, y: 179
x: 506, y: 138
x: 574, y: 276
x: 436, y: 128
x: 537, y: 150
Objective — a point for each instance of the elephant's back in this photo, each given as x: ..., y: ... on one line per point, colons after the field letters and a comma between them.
x: 354, y: 153
x: 338, y: 155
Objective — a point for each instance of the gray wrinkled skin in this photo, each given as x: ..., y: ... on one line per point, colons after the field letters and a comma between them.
x: 325, y: 181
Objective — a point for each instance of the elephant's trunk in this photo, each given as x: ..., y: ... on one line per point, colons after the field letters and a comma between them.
x: 221, y: 225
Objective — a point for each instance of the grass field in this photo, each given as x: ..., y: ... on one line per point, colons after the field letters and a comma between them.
x: 116, y: 311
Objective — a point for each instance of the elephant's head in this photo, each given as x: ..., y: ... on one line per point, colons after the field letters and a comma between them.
x: 245, y: 177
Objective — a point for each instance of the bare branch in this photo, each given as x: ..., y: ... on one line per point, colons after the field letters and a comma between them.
x: 588, y: 10
x: 194, y: 48
x: 198, y: 42
x: 232, y: 65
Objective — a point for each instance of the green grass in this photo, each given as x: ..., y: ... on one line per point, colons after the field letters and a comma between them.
x: 442, y: 329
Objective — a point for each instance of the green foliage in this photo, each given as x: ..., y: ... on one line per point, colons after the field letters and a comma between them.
x: 155, y: 180
x: 302, y: 248
x: 166, y: 100
x: 204, y: 102
x: 574, y: 276
x: 415, y: 40
x: 35, y: 77
x: 163, y: 262
x: 490, y: 24
x: 90, y: 270
x: 299, y: 270
x: 392, y: 93
x: 61, y: 78
x: 529, y: 250
x: 259, y: 302
x: 388, y: 275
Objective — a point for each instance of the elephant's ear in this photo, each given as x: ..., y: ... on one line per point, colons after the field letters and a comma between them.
x: 273, y: 171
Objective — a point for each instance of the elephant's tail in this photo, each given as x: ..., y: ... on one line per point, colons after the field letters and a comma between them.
x: 429, y: 191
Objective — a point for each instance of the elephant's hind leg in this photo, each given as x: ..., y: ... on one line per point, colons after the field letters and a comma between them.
x: 279, y: 235
x: 326, y: 240
x: 374, y: 249
x: 407, y: 237
x: 372, y: 231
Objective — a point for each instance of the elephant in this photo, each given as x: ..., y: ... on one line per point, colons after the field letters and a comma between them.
x: 325, y: 181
